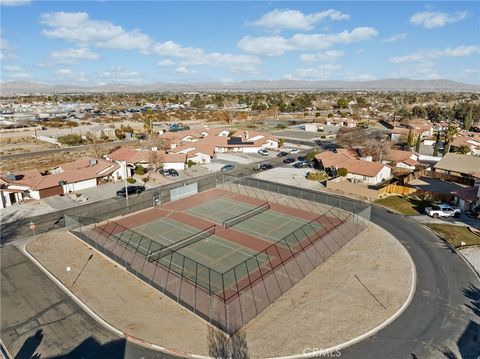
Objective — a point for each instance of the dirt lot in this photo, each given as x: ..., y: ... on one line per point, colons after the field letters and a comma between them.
x: 328, y: 307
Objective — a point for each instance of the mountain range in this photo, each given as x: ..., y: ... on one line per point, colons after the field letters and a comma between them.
x: 25, y: 87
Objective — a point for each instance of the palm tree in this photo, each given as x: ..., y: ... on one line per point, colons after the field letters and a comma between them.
x: 450, y: 134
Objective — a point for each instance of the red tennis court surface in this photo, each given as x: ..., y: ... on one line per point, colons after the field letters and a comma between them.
x: 223, y: 255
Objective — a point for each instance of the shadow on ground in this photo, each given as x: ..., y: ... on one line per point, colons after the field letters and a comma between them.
x: 224, y: 346
x: 27, y: 351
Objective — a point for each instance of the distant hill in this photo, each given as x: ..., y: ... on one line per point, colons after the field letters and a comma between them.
x: 25, y: 87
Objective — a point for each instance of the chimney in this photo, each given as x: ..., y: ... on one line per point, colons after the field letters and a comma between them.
x: 246, y: 135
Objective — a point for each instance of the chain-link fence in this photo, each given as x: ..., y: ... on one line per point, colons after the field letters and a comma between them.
x: 230, y: 299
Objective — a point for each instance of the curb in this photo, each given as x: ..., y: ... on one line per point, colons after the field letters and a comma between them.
x: 103, y: 322
x: 335, y: 350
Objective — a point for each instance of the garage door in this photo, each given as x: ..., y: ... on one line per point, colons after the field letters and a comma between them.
x: 183, y: 191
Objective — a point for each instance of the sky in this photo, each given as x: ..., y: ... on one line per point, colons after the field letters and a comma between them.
x: 139, y: 42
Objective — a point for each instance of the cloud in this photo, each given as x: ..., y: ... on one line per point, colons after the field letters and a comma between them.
x: 395, y: 38
x: 353, y: 76
x: 278, y: 45
x: 6, y: 50
x: 424, y: 55
x: 15, y: 2
x: 14, y: 72
x: 63, y: 72
x: 166, y: 62
x: 182, y: 70
x: 72, y: 55
x: 431, y: 19
x: 421, y: 71
x: 196, y: 56
x: 296, y: 20
x: 119, y: 74
x: 78, y: 28
x: 329, y: 55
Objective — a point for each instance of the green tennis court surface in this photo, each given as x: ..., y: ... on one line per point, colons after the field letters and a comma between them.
x: 269, y: 225
x: 192, y: 261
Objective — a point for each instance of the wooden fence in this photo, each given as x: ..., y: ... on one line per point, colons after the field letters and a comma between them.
x: 437, y: 175
x: 396, y: 189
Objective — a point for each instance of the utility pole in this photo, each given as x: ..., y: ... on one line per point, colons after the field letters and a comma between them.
x: 125, y: 184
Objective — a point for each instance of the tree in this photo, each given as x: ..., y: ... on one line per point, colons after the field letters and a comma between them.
x: 119, y: 134
x: 139, y: 170
x: 342, y: 103
x: 281, y: 141
x: 464, y: 150
x: 417, y: 145
x: 310, y: 155
x: 450, y: 134
x: 70, y: 140
x: 349, y: 137
x: 409, y: 139
x: 342, y: 172
x: 468, y: 121
x: 437, y: 145
x: 155, y: 159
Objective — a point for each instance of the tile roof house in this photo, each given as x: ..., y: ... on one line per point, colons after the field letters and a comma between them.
x: 358, y: 170
x: 425, y: 128
x: 473, y: 143
x: 468, y: 199
x: 68, y: 177
x: 401, y: 159
x: 459, y: 165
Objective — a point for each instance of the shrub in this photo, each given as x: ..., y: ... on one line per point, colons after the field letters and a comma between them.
x: 342, y: 172
x: 330, y: 115
x: 139, y: 170
x: 145, y: 179
x: 317, y: 176
x: 310, y: 156
x: 71, y: 140
x: 190, y: 163
x: 317, y: 114
x: 131, y: 180
x: 281, y: 141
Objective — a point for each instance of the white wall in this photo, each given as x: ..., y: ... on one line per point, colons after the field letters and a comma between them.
x: 174, y: 165
x: 200, y: 158
x: 77, y: 186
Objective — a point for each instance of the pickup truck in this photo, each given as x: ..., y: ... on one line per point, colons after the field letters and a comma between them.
x: 443, y: 210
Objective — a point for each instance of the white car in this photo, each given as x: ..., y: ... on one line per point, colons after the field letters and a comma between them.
x: 442, y: 210
x: 294, y: 151
x: 263, y: 152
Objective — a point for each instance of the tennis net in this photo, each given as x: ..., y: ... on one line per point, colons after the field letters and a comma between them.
x: 195, y: 237
x: 244, y: 216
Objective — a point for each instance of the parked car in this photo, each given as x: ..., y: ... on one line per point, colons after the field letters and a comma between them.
x: 227, y: 168
x: 443, y: 210
x: 263, y: 152
x: 265, y: 166
x: 294, y: 151
x: 173, y: 173
x: 165, y: 172
x: 301, y: 158
x: 302, y: 164
x: 282, y: 154
x: 289, y: 160
x: 131, y: 190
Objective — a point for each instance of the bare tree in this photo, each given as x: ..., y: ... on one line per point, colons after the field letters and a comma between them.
x: 155, y: 160
x: 349, y: 137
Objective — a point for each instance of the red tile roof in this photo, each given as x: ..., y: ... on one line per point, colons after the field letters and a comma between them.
x: 339, y: 160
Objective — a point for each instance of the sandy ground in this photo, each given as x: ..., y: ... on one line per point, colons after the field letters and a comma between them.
x: 473, y: 256
x: 328, y: 307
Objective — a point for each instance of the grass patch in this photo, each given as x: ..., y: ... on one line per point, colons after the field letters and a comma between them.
x: 455, y: 234
x: 408, y: 206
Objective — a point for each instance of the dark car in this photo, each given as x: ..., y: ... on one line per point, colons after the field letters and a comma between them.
x: 173, y: 173
x: 265, y: 166
x: 289, y: 160
x: 227, y: 168
x: 131, y: 190
x: 282, y: 154
x: 302, y: 164
x: 301, y: 158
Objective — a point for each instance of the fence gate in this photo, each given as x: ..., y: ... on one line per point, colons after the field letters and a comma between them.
x: 183, y: 191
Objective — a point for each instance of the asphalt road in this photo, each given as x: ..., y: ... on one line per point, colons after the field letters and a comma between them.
x: 38, y: 318
x: 443, y: 319
x: 441, y: 322
x: 66, y: 149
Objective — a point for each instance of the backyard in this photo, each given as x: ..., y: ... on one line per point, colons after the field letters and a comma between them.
x: 404, y: 205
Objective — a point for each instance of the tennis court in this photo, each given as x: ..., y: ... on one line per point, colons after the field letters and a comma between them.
x: 223, y: 255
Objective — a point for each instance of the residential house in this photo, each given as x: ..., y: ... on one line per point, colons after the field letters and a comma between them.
x: 400, y: 134
x: 472, y: 142
x: 358, y: 170
x: 129, y: 158
x: 468, y: 199
x: 459, y: 165
x: 425, y: 128
x: 68, y: 177
x: 401, y: 159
